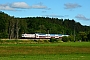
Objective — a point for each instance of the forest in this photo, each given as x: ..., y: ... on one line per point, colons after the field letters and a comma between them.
x: 12, y: 27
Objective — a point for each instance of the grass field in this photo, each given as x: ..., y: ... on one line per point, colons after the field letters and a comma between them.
x: 46, y: 51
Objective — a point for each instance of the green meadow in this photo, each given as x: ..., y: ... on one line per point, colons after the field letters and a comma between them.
x: 46, y: 51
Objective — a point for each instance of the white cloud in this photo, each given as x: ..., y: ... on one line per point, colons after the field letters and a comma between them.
x: 71, y: 5
x: 81, y: 17
x: 39, y: 6
x: 21, y: 5
x: 6, y: 7
x: 54, y: 15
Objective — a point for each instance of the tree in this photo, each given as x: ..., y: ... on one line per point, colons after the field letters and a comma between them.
x: 71, y: 38
x: 65, y: 39
x: 88, y: 36
x: 11, y: 28
x: 83, y: 36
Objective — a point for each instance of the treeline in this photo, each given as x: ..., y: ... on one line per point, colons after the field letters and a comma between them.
x: 12, y: 27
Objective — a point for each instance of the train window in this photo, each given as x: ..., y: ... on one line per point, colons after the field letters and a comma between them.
x: 22, y: 34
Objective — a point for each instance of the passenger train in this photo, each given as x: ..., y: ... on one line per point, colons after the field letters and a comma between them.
x: 43, y: 36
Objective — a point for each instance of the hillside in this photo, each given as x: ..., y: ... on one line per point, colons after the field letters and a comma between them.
x: 12, y: 27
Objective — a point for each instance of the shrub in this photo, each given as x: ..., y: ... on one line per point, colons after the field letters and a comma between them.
x: 46, y: 41
x: 53, y: 40
x: 65, y: 39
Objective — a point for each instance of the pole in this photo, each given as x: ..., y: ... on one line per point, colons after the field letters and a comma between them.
x: 74, y: 33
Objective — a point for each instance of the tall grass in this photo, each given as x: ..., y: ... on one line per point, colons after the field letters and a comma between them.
x: 38, y: 49
x: 49, y: 57
x: 76, y: 44
x: 46, y: 51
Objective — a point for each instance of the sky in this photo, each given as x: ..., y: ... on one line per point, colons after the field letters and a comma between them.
x: 65, y: 9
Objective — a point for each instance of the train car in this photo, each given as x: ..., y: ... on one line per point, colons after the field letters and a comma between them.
x: 56, y: 35
x: 28, y: 35
x: 65, y: 35
x: 43, y: 36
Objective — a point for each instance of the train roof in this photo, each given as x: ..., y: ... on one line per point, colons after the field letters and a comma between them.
x: 50, y: 34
